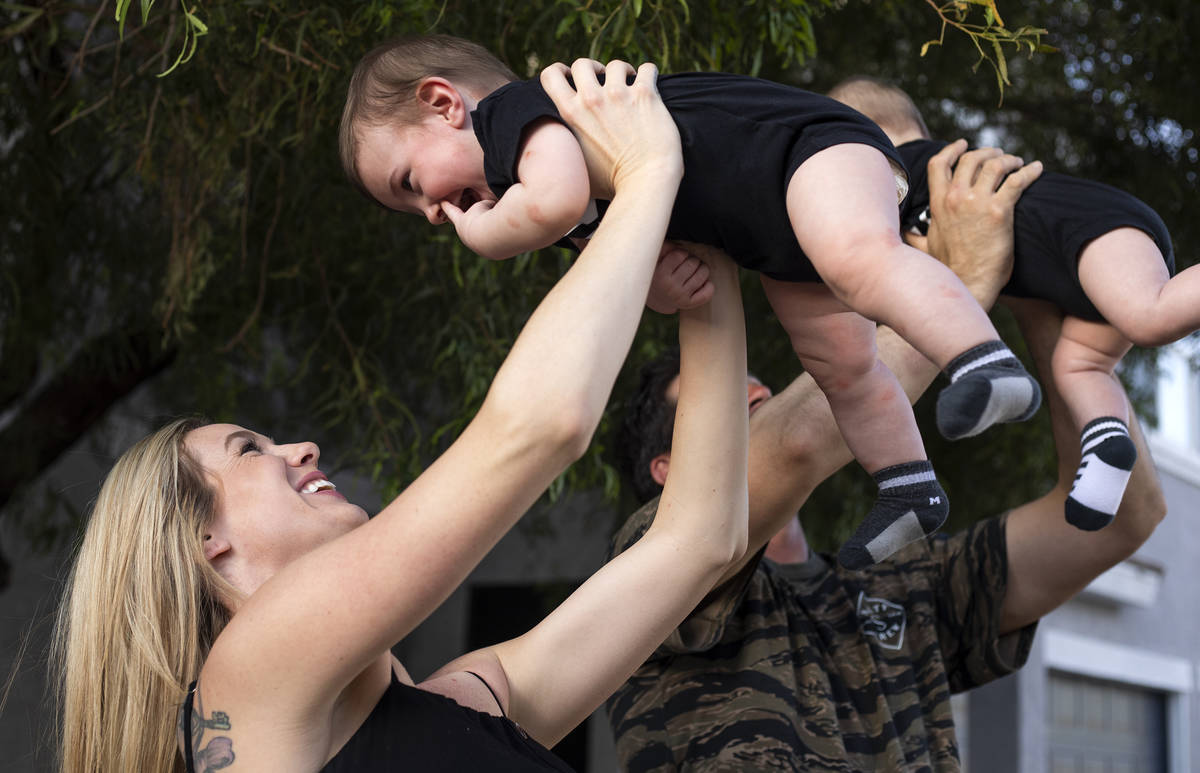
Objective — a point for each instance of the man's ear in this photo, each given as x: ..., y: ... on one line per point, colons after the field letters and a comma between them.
x: 440, y: 98
x: 659, y: 466
x: 214, y: 546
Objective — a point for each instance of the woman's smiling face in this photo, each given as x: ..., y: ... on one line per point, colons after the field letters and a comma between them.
x: 273, y: 504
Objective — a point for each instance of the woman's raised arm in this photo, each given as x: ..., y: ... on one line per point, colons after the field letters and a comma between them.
x: 559, y: 672
x: 356, y: 596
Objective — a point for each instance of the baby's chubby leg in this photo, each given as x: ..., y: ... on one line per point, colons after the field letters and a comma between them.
x: 842, y: 205
x: 1083, y: 363
x: 837, y: 347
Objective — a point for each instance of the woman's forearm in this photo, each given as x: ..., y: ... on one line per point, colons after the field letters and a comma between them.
x: 700, y: 528
x: 704, y: 499
x: 557, y: 378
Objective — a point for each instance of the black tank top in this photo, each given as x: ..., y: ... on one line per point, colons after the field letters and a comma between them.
x: 414, y: 729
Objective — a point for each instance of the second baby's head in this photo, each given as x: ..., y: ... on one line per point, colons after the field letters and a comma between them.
x: 888, y: 106
x: 406, y: 138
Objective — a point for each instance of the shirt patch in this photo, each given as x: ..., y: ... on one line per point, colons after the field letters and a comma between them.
x: 881, y: 619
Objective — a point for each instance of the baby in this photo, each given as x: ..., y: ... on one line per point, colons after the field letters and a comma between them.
x: 791, y: 184
x: 1100, y: 255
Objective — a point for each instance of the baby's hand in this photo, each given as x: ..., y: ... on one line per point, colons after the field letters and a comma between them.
x: 680, y: 281
x: 470, y: 225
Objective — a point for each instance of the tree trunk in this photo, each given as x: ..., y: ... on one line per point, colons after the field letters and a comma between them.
x: 106, y: 369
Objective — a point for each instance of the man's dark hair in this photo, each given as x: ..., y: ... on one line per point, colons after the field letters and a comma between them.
x: 647, y: 424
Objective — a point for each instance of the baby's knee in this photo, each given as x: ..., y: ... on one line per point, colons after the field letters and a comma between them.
x: 1151, y: 330
x: 1062, y: 365
x: 853, y: 366
x: 1072, y: 358
x: 857, y: 263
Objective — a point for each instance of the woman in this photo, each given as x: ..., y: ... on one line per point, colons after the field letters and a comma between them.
x: 216, y: 555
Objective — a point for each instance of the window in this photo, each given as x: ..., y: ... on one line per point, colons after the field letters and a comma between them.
x: 1113, y: 708
x: 1097, y: 725
x: 1178, y: 396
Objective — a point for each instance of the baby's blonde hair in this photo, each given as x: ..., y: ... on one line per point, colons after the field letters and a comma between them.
x: 883, y: 103
x: 140, y: 612
x: 383, y: 88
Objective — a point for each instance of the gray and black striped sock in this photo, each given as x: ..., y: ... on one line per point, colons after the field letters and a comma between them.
x: 988, y: 385
x: 911, y: 505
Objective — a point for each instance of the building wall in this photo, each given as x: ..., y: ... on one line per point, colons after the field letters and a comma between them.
x: 28, y: 604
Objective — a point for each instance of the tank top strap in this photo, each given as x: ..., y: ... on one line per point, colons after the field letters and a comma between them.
x: 187, y: 728
x: 495, y: 697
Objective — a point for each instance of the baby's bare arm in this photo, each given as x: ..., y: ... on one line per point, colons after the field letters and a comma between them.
x: 547, y: 202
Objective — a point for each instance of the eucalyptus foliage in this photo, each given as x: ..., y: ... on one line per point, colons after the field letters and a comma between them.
x: 172, y: 177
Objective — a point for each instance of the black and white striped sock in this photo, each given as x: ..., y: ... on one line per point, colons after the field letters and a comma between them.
x: 988, y: 384
x: 1108, y: 454
x: 911, y: 505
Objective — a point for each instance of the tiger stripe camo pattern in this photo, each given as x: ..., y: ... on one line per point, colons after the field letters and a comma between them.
x: 817, y: 668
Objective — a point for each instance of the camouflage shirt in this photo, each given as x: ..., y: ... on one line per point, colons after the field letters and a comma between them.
x: 813, y: 667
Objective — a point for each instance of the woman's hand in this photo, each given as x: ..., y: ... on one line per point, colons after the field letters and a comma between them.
x: 601, y: 117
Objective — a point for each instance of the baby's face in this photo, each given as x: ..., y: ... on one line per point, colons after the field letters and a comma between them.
x: 416, y: 168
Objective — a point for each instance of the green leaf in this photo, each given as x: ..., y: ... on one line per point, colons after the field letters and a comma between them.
x: 564, y: 24
x: 1001, y: 64
x: 121, y: 14
x: 22, y: 24
x: 199, y: 26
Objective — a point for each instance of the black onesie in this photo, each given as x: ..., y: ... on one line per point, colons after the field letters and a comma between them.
x: 742, y: 140
x: 417, y: 730
x: 1054, y: 220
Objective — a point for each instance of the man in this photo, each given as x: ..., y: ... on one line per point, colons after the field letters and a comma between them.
x: 797, y: 664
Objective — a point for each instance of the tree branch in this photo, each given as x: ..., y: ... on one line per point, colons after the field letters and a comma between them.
x: 262, y: 270
x: 103, y: 371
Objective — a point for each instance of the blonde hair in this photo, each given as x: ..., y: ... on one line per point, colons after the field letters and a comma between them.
x: 882, y: 102
x: 383, y: 88
x: 140, y: 612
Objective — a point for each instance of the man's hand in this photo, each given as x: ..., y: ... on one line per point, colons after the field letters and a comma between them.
x: 971, y: 200
x: 681, y: 281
